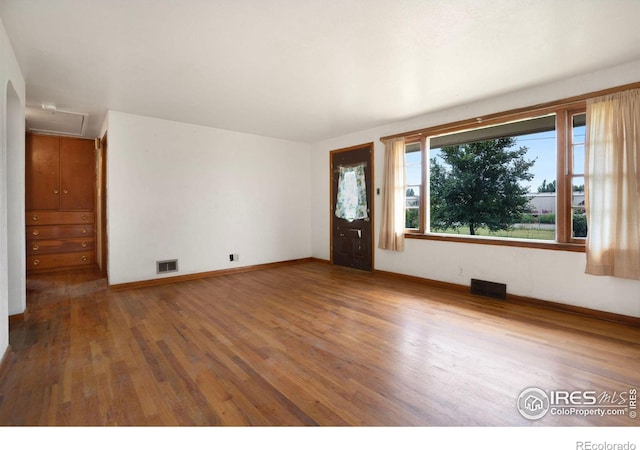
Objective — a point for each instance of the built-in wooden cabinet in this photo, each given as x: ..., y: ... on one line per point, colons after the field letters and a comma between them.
x: 60, y: 202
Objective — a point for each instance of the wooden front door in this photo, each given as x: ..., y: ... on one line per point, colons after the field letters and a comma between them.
x: 352, y: 207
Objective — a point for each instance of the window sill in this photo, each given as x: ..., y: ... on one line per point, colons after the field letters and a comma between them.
x: 529, y: 243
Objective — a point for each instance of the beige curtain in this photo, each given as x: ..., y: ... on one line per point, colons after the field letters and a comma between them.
x: 612, y: 184
x: 393, y: 197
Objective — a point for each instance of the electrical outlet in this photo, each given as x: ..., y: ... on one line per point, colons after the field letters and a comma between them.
x: 234, y: 257
x: 460, y: 272
x: 231, y: 257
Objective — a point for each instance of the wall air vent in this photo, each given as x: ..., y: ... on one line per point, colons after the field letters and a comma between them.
x: 167, y: 266
x: 49, y: 120
x: 489, y: 289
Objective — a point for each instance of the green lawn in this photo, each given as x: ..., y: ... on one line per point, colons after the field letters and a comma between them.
x: 515, y: 233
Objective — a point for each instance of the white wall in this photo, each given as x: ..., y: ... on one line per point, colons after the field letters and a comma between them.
x: 16, y: 251
x: 12, y: 129
x: 543, y: 274
x: 197, y: 194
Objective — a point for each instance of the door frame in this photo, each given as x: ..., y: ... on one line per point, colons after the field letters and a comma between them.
x: 101, y: 202
x: 371, y: 200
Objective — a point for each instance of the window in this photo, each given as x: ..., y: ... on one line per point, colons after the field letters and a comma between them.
x: 413, y: 190
x: 576, y: 174
x: 513, y: 179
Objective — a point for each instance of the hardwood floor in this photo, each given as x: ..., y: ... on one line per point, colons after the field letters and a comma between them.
x: 307, y: 344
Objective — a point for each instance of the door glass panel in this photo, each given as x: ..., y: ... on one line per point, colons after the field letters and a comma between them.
x: 351, y: 202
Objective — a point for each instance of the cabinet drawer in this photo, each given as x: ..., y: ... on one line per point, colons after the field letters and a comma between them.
x: 58, y: 217
x: 43, y: 247
x: 60, y: 260
x: 59, y: 231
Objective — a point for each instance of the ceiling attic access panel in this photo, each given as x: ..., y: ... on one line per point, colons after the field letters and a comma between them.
x: 52, y: 121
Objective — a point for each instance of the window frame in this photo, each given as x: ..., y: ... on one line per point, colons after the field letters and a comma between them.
x: 564, y: 177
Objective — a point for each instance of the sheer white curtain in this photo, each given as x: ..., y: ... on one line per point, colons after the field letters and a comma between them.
x: 612, y: 184
x: 393, y: 197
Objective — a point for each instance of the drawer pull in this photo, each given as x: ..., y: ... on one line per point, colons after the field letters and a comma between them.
x: 64, y: 191
x: 84, y: 245
x: 55, y: 191
x: 84, y: 258
x: 35, y: 232
x: 83, y: 231
x: 83, y: 217
x: 36, y: 262
x: 35, y: 217
x: 36, y: 247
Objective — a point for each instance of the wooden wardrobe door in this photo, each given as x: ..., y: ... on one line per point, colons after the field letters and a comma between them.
x: 43, y: 169
x: 78, y: 174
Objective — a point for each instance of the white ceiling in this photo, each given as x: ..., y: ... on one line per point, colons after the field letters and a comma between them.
x: 305, y: 69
